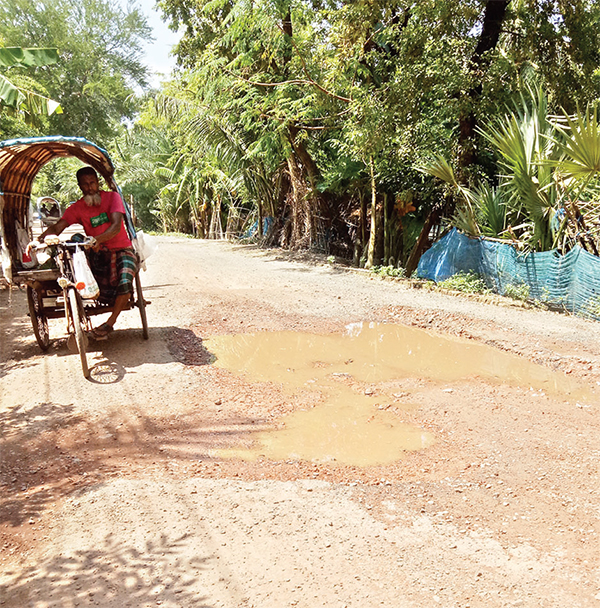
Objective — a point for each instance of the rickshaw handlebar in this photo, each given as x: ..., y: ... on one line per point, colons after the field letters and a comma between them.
x: 50, y: 241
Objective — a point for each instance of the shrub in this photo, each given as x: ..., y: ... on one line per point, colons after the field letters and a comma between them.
x: 388, y: 271
x: 517, y: 292
x: 467, y: 282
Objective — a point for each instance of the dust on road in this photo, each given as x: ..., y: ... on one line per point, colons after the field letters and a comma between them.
x: 123, y: 491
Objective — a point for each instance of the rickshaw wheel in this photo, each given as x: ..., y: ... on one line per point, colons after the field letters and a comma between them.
x: 38, y: 318
x: 79, y: 335
x: 141, y: 304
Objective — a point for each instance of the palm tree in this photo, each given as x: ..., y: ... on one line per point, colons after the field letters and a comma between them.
x: 524, y: 140
x: 216, y: 171
x: 464, y: 216
x: 577, y: 172
x: 525, y: 202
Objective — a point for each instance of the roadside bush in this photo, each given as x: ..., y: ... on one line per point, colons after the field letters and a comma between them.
x: 467, y: 282
x: 517, y: 292
x: 389, y: 271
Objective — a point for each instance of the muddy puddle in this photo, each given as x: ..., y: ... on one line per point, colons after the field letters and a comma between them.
x: 350, y: 424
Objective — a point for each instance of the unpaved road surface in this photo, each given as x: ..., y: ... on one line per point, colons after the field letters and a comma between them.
x: 113, y: 491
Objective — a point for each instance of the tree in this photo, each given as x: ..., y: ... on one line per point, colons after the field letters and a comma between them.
x: 335, y: 104
x: 491, y: 27
x: 100, y: 49
x: 547, y: 194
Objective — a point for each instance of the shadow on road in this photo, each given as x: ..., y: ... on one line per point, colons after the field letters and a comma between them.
x: 125, y: 349
x: 15, y: 347
x: 112, y: 574
x: 49, y: 451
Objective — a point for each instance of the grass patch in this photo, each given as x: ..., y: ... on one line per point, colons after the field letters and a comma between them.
x: 389, y: 271
x: 517, y: 292
x: 467, y: 282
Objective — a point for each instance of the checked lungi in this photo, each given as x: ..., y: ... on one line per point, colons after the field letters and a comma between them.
x: 114, y: 270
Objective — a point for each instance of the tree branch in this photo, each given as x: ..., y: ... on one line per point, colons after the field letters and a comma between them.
x: 309, y: 77
x: 294, y: 81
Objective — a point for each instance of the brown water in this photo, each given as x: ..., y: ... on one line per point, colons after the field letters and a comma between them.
x: 348, y: 427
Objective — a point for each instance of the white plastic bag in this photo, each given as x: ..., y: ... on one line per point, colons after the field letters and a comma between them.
x: 145, y: 245
x: 28, y: 258
x: 83, y: 274
x: 6, y: 261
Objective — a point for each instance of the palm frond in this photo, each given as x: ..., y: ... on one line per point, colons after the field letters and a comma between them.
x: 524, y: 140
x: 464, y: 218
x: 439, y: 167
x: 580, y: 146
x: 490, y: 202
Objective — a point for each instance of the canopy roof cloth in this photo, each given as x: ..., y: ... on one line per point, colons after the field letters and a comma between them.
x: 20, y: 162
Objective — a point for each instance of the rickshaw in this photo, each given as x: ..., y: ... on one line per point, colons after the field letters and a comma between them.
x: 52, y: 292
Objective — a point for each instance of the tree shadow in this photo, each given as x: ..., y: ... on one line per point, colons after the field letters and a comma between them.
x: 124, y: 349
x: 49, y: 451
x: 16, y: 346
x: 112, y: 574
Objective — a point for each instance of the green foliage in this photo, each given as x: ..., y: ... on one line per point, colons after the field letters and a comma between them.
x: 19, y: 95
x: 389, y: 271
x: 467, y: 282
x: 288, y: 109
x: 140, y: 155
x: 592, y: 308
x: 99, y: 60
x: 464, y: 217
x: 517, y: 292
x: 57, y: 179
x: 580, y: 146
x: 491, y: 210
x: 524, y: 141
x: 549, y: 170
x: 12, y: 56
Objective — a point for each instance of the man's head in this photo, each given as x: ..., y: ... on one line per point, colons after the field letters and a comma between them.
x: 87, y: 178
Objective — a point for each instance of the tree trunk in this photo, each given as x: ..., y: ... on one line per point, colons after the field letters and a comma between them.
x: 374, y: 224
x: 387, y: 231
x: 363, y: 223
x: 298, y: 201
x: 361, y: 230
x: 216, y: 226
x: 260, y: 220
x: 310, y: 166
x: 493, y: 17
x: 286, y: 26
x: 421, y: 243
x: 304, y: 199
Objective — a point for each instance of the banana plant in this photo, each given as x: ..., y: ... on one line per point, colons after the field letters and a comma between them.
x: 18, y: 98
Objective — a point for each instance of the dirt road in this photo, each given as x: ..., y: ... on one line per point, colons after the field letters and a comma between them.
x: 132, y: 489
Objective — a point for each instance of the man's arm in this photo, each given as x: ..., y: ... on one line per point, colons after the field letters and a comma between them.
x: 116, y: 220
x: 54, y: 229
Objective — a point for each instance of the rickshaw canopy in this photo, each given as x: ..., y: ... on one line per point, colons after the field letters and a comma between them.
x: 20, y: 162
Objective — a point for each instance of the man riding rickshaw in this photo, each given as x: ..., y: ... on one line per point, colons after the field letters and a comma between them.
x: 54, y: 289
x: 112, y: 258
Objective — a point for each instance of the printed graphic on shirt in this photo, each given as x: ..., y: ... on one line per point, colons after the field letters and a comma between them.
x: 98, y: 220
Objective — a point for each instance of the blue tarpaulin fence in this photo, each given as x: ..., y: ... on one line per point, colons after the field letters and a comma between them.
x: 570, y: 281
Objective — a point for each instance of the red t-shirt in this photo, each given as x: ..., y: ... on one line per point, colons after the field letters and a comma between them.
x: 95, y: 220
